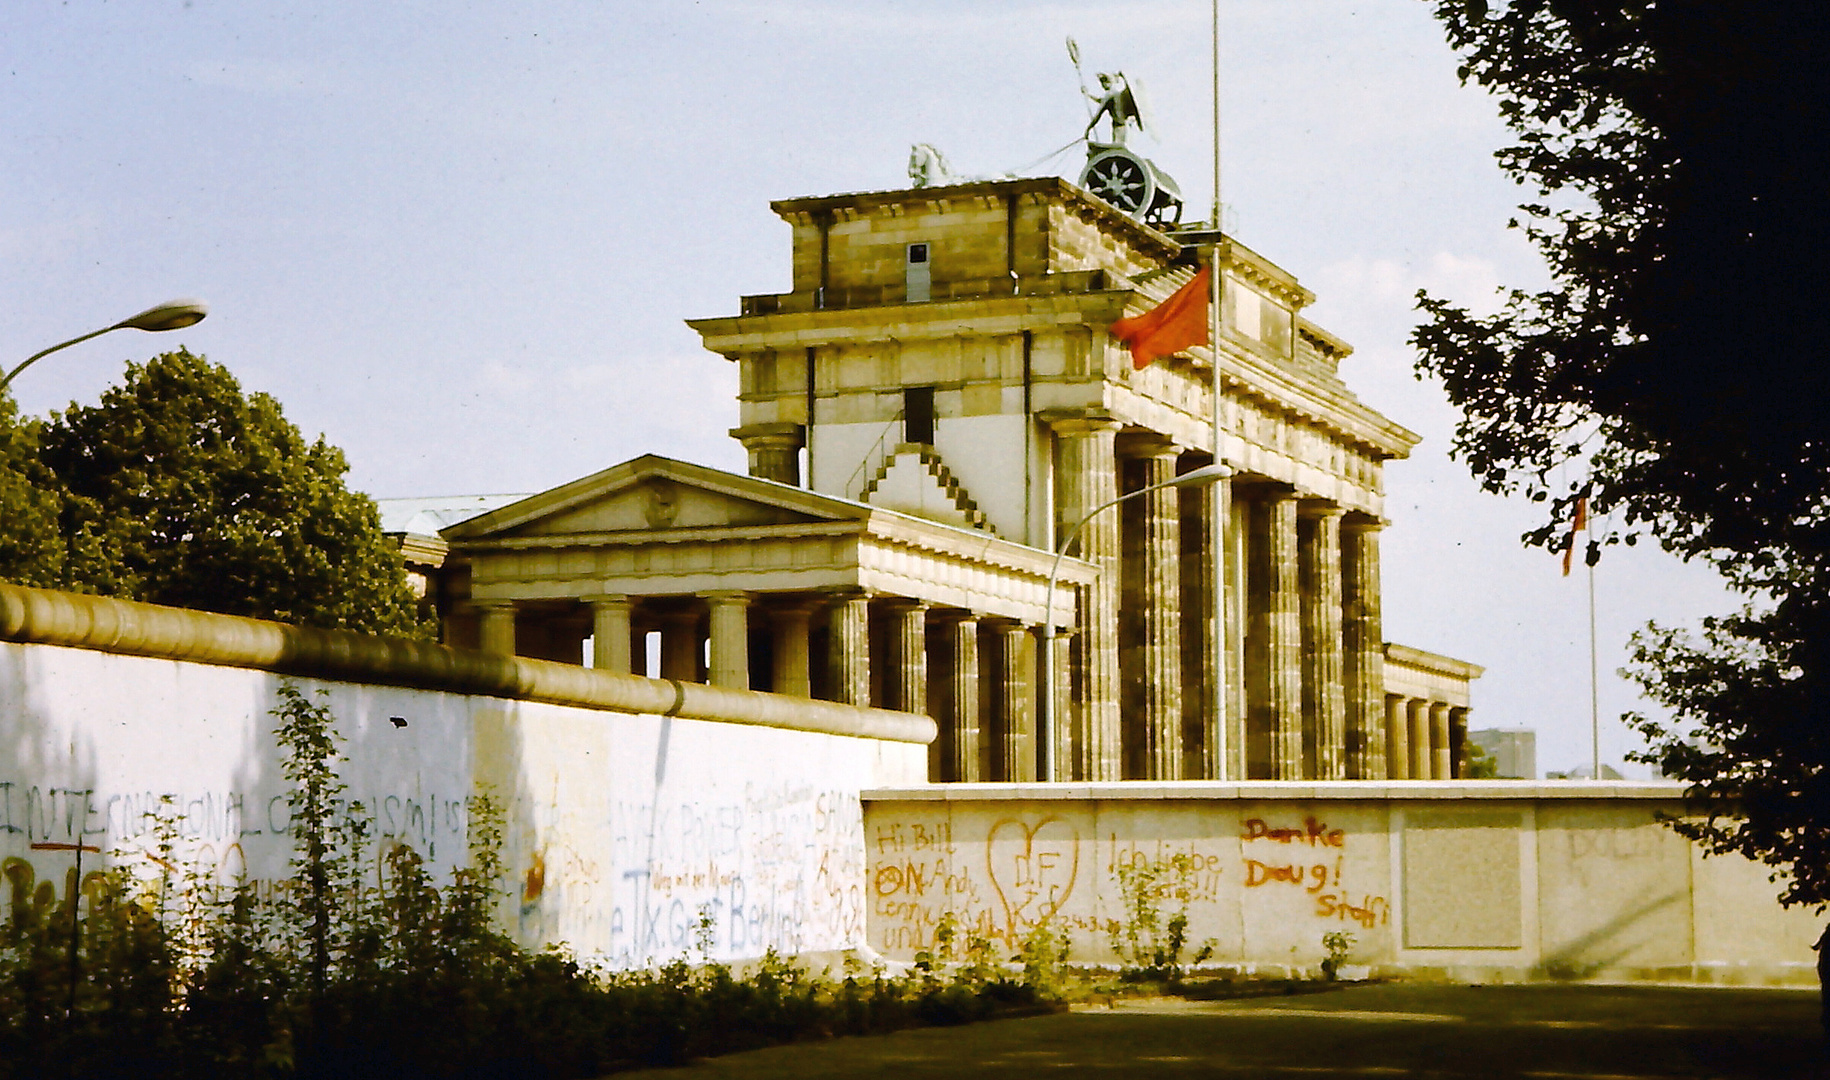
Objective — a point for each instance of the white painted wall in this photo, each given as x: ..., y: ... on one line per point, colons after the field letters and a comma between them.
x: 839, y: 450
x: 622, y: 828
x: 1495, y: 880
x: 985, y: 454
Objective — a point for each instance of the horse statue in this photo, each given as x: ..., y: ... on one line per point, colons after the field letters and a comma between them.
x: 928, y: 167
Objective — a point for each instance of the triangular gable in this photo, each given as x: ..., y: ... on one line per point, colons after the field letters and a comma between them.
x: 651, y: 493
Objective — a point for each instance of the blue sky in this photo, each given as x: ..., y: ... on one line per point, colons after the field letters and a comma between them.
x: 460, y: 239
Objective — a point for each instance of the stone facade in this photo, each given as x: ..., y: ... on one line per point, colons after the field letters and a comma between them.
x: 929, y: 413
x: 1005, y: 384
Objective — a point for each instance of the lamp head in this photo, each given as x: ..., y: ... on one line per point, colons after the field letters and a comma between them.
x: 1206, y: 474
x: 171, y: 315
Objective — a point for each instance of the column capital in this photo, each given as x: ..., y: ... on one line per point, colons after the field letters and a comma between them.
x: 1358, y: 521
x: 1146, y: 444
x: 942, y: 615
x: 1079, y: 421
x: 782, y: 436
x: 609, y: 600
x: 1320, y: 508
x: 905, y: 603
x: 1260, y: 489
x: 727, y: 596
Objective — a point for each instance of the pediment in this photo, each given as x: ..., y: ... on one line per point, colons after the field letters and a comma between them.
x: 652, y: 494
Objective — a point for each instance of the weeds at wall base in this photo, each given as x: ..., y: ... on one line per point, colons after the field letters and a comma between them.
x: 341, y: 973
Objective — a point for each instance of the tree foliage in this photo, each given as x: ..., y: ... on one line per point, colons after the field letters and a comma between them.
x: 31, y: 548
x: 1673, y: 373
x: 177, y: 488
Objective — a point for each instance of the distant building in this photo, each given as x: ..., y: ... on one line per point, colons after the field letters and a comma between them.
x: 1584, y: 772
x: 1513, y: 750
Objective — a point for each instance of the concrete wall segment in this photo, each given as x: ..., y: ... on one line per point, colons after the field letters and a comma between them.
x: 1499, y: 881
x: 623, y: 830
x: 122, y: 627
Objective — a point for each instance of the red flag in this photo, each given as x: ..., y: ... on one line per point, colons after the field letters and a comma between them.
x: 1171, y: 326
x: 1580, y: 523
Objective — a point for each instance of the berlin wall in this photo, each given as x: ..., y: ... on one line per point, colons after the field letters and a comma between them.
x: 1476, y: 880
x: 623, y: 829
x: 636, y: 809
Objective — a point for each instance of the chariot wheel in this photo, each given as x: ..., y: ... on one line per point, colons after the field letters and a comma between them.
x: 1122, y: 179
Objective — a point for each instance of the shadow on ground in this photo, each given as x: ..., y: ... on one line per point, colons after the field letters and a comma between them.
x: 1553, y: 1032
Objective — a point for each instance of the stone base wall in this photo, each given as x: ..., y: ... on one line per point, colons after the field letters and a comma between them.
x: 1470, y: 880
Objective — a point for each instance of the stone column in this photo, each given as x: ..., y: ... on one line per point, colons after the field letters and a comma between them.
x: 1013, y: 703
x: 611, y: 633
x: 1061, y: 707
x: 1202, y: 691
x: 775, y: 450
x: 1363, y: 649
x: 1151, y: 593
x: 730, y: 633
x: 1233, y: 518
x: 496, y: 626
x: 1458, y: 740
x: 789, y: 654
x: 680, y: 645
x: 849, y: 647
x: 967, y: 753
x: 1086, y: 477
x: 1284, y: 638
x: 908, y: 660
x: 1324, y: 703
x: 1397, y: 738
x: 1440, y: 766
x: 1422, y: 766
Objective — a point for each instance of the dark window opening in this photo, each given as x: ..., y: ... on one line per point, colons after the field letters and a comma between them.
x: 918, y: 415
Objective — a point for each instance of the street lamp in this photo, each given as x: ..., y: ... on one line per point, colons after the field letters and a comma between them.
x: 172, y: 315
x: 1201, y: 477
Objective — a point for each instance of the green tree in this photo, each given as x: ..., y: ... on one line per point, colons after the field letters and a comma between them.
x: 179, y: 489
x: 31, y: 547
x: 1673, y: 372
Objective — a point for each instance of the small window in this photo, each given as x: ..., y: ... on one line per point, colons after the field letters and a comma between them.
x: 917, y: 277
x: 918, y: 415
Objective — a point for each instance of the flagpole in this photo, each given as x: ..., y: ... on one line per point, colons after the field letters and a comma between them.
x: 1217, y: 497
x: 1594, y: 683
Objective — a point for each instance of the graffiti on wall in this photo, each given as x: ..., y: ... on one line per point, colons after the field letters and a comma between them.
x: 777, y: 866
x: 219, y: 835
x: 1317, y: 871
x: 1026, y: 871
x: 781, y: 866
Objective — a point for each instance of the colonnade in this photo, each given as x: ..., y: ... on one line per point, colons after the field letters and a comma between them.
x: 974, y: 673
x: 1299, y: 656
x: 1426, y: 738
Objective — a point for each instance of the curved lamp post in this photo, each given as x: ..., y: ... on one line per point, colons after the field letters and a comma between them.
x: 1045, y: 734
x: 172, y: 315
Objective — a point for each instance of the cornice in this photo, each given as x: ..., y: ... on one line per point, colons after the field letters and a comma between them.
x: 1082, y: 203
x: 1434, y: 663
x: 732, y: 335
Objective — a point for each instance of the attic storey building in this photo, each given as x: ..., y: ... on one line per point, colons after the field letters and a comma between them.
x: 933, y: 406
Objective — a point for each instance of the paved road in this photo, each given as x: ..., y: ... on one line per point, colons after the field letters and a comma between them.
x: 1549, y: 1032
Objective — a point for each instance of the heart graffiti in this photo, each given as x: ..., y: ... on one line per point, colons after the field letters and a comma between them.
x: 1032, y: 868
